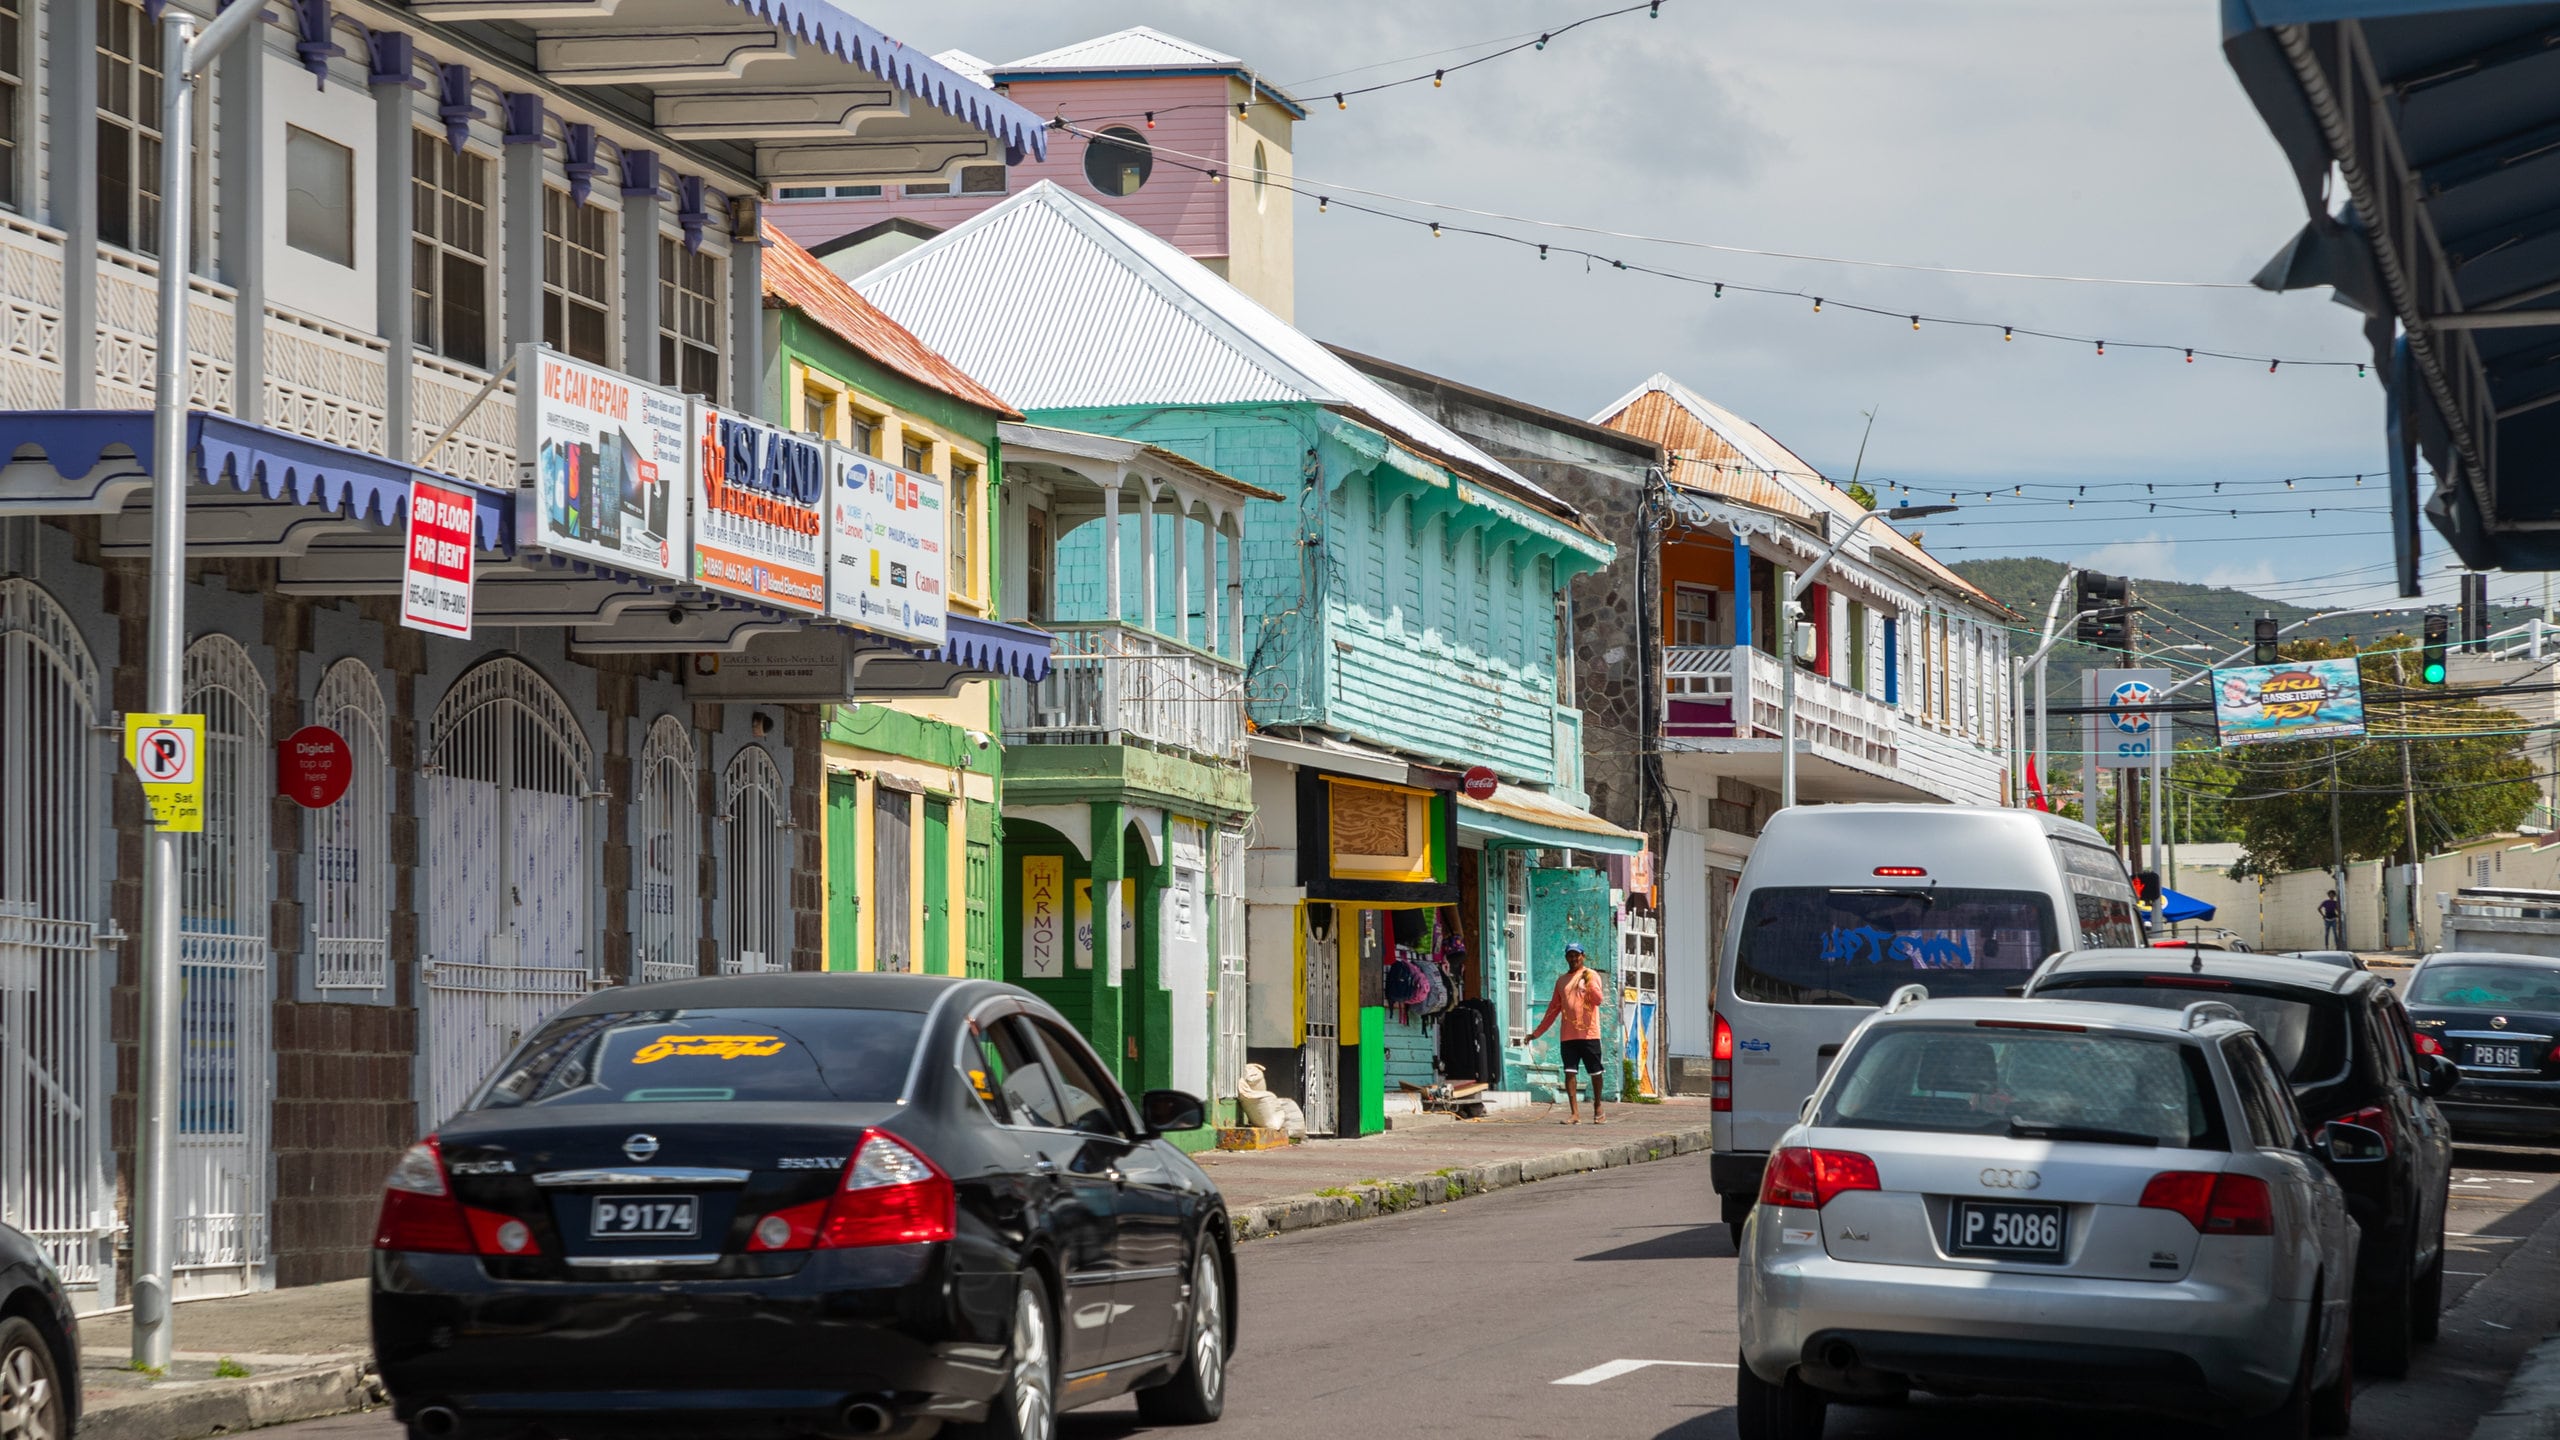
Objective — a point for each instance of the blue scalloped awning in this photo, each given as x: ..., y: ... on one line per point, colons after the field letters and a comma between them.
x: 253, y: 460
x: 1016, y: 650
x: 911, y: 70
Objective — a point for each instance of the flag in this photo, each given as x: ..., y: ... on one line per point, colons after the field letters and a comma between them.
x: 2035, y: 787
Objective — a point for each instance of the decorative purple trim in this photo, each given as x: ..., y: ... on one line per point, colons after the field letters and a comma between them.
x: 453, y: 91
x: 579, y: 145
x: 312, y: 21
x: 524, y: 114
x: 690, y: 212
x: 997, y: 649
x: 391, y: 58
x: 640, y: 174
x: 848, y: 39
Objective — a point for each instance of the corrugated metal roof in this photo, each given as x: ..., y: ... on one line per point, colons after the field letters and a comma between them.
x: 801, y: 280
x: 1055, y: 302
x: 965, y: 65
x: 1733, y: 457
x: 1140, y: 47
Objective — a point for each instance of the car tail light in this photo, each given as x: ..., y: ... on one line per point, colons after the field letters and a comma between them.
x: 891, y: 1195
x: 1808, y: 1179
x: 2430, y: 1045
x: 2374, y: 1118
x: 1720, y: 1088
x: 2214, y: 1204
x: 2030, y: 1025
x: 420, y: 1214
x: 1901, y: 871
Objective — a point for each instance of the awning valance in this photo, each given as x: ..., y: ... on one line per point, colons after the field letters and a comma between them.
x: 1020, y: 651
x: 1537, y: 818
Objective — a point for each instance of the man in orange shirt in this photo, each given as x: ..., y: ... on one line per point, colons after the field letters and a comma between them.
x: 1576, y: 1002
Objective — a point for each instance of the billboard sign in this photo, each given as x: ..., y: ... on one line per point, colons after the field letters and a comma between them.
x: 2120, y: 737
x: 759, y: 512
x: 885, y: 553
x: 2295, y: 700
x: 608, y: 456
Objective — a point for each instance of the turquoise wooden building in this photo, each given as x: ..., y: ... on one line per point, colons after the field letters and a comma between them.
x: 1400, y: 602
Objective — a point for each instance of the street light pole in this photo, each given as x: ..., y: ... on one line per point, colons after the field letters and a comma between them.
x: 1787, y: 619
x: 186, y: 55
x: 2044, y: 647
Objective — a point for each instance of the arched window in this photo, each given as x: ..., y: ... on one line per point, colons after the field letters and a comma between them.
x: 670, y: 822
x: 755, y: 897
x: 350, y: 842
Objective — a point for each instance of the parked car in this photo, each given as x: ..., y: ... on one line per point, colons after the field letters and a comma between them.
x: 39, y: 1345
x: 2497, y: 1017
x: 2056, y: 1200
x: 2345, y: 1046
x: 2343, y: 959
x: 1840, y: 905
x: 802, y: 1203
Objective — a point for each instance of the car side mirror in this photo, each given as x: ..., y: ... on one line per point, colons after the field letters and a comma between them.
x: 2436, y: 1074
x: 1169, y: 1110
x: 2390, y: 982
x: 2343, y: 1144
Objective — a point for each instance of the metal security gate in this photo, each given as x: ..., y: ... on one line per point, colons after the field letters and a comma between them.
x: 669, y: 940
x: 1640, y: 979
x: 892, y: 860
x: 757, y: 936
x: 510, y: 869
x: 1322, y: 1054
x: 1226, y: 1052
x: 226, y: 992
x: 351, y: 841
x: 53, y: 981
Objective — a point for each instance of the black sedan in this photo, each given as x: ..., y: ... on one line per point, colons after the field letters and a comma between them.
x: 821, y: 1204
x: 39, y: 1345
x: 2498, y: 1017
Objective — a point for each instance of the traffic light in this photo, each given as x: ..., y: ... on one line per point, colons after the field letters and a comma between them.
x: 2266, y: 640
x: 2439, y: 628
x: 2104, y: 612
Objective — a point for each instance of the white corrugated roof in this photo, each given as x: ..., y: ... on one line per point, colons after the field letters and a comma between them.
x: 965, y: 65
x: 1140, y: 47
x: 1052, y: 301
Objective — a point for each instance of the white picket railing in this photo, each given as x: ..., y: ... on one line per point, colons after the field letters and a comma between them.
x: 1113, y: 684
x: 1831, y: 718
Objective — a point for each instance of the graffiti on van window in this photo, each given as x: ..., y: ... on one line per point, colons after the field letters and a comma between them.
x: 1926, y: 950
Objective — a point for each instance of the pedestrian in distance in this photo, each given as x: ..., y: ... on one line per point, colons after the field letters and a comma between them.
x: 2329, y: 928
x: 1576, y: 1002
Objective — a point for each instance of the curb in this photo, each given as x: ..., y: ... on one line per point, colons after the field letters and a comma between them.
x: 191, y: 1411
x: 2531, y: 1409
x: 1387, y: 1197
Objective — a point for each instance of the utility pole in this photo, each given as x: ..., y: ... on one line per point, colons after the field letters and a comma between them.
x: 2337, y: 847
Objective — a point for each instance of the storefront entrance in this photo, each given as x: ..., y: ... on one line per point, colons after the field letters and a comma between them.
x: 509, y: 873
x: 1319, y: 1062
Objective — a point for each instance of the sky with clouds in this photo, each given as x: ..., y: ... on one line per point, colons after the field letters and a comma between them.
x: 2097, y: 137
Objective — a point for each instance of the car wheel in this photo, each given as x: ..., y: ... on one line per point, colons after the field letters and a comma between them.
x: 1027, y: 1407
x: 1198, y: 1393
x: 2292, y: 1419
x: 2383, y: 1325
x: 32, y: 1406
x: 1788, y: 1410
x: 2426, y: 1316
x: 1737, y: 1208
x: 2333, y: 1406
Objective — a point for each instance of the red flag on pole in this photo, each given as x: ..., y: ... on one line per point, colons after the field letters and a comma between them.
x: 2035, y: 787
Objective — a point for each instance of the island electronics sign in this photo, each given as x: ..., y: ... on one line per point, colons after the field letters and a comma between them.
x: 608, y: 459
x: 885, y: 548
x: 760, y: 512
x: 2300, y: 700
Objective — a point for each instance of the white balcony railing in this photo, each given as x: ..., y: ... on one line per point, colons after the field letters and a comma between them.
x: 1115, y: 684
x: 1830, y: 717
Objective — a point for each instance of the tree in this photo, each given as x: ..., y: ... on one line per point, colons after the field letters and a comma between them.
x: 1865, y: 497
x: 2471, y: 775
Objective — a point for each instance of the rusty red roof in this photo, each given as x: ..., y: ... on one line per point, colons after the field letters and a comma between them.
x: 794, y: 277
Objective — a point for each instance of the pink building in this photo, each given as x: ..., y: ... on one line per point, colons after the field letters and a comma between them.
x: 1183, y: 141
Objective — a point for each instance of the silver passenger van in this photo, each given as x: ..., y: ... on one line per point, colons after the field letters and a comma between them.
x: 1842, y: 905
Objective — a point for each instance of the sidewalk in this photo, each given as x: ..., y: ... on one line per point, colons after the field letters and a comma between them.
x: 306, y: 1350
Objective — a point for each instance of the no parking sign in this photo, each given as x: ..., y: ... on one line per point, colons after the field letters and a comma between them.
x: 167, y: 752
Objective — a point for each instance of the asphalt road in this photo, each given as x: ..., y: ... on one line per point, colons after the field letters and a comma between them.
x: 1603, y: 1305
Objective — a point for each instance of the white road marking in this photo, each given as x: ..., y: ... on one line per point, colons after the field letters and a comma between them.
x: 1612, y: 1369
x: 2470, y: 1274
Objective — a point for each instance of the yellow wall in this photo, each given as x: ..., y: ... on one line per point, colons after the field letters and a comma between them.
x: 1261, y: 258
x: 841, y: 403
x: 954, y: 786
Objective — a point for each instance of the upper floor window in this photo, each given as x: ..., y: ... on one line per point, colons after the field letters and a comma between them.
x: 864, y: 431
x: 688, y: 319
x: 577, y: 278
x: 1693, y: 615
x: 964, y: 521
x: 818, y: 407
x: 916, y: 455
x: 128, y: 127
x: 449, y: 242
x: 1119, y: 162
x: 12, y: 74
x: 820, y: 192
x: 320, y: 194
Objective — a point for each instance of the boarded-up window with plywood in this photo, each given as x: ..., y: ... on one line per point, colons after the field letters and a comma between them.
x: 1379, y: 832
